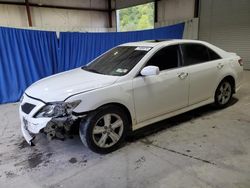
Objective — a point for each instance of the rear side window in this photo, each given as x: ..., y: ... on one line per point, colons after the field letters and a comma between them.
x: 213, y: 55
x: 194, y: 54
x: 166, y: 58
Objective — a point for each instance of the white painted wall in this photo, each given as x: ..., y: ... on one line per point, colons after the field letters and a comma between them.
x: 174, y: 10
x: 169, y: 12
x: 69, y: 19
x: 58, y: 19
x: 102, y: 4
x: 13, y: 16
x: 191, y: 30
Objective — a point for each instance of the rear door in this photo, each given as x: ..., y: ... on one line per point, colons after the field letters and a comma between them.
x: 203, y: 66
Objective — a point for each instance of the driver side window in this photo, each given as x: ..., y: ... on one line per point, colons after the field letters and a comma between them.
x: 166, y: 58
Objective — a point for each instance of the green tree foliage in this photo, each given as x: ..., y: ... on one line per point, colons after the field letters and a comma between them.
x: 137, y: 17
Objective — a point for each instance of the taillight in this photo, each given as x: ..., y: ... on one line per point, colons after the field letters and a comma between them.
x: 240, y: 62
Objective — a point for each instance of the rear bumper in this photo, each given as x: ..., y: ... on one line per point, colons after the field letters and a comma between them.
x: 239, y: 78
x: 237, y: 88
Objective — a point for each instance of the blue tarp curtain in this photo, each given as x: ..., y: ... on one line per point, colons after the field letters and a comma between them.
x: 25, y: 57
x: 28, y: 55
x: 77, y: 49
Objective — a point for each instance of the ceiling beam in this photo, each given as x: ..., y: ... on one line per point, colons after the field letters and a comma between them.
x: 55, y: 6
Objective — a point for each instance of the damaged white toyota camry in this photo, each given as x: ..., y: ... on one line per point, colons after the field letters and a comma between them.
x: 129, y: 87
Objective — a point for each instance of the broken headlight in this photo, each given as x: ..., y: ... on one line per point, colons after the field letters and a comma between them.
x: 57, y: 109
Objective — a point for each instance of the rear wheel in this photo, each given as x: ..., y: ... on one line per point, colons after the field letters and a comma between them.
x: 223, y: 94
x: 104, y: 130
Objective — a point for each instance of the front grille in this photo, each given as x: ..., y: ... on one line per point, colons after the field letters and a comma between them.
x: 27, y: 107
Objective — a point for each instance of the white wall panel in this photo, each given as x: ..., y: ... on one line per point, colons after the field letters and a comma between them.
x: 102, y: 4
x: 52, y: 18
x: 11, y: 15
x: 191, y: 29
x: 175, y: 10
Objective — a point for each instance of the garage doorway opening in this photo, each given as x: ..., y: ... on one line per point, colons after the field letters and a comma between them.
x: 134, y: 18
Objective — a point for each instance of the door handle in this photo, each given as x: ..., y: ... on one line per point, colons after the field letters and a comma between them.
x: 182, y: 75
x: 220, y: 65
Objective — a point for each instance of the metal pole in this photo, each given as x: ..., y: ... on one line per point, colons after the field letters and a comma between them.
x: 110, y: 13
x: 28, y: 12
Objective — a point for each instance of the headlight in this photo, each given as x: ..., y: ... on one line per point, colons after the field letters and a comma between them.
x: 57, y: 109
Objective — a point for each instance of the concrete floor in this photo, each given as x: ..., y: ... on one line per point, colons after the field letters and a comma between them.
x: 201, y: 148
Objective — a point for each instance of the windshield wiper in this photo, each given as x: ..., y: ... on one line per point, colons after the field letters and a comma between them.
x: 90, y: 70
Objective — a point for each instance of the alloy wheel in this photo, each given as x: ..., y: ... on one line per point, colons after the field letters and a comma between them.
x: 108, y: 130
x: 224, y: 93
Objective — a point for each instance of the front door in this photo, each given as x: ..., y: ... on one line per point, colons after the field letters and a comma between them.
x: 163, y: 93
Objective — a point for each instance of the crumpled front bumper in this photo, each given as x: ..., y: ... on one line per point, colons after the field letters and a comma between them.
x: 26, y: 134
x: 31, y: 126
x: 30, y: 129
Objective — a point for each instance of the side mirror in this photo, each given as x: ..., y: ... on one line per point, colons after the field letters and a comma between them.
x: 150, y: 71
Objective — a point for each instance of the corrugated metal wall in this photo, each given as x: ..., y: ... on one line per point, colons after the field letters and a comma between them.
x: 226, y: 23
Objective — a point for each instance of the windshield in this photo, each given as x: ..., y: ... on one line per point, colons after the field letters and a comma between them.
x: 118, y: 61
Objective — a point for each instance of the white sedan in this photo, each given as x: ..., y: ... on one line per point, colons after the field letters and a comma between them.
x: 129, y: 87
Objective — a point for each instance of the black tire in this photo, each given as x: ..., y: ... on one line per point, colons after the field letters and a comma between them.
x: 90, y: 122
x: 226, y: 93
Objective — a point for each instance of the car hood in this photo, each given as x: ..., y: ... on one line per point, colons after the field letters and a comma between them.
x: 60, y: 86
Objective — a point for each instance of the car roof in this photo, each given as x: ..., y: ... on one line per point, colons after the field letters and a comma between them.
x: 158, y: 43
x: 153, y: 43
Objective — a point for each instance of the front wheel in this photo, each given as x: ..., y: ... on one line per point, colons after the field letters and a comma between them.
x: 104, y: 130
x: 223, y: 94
